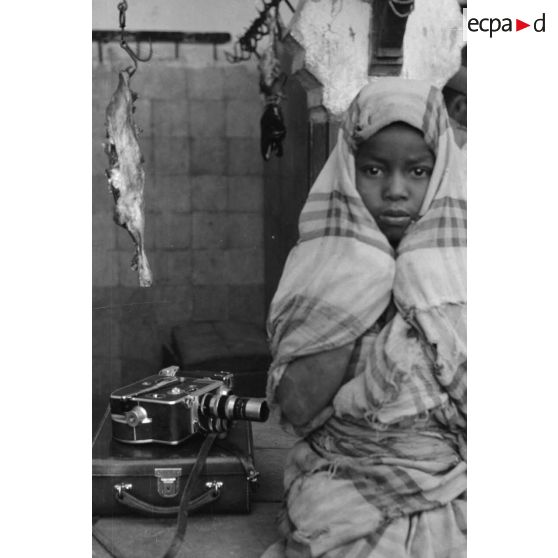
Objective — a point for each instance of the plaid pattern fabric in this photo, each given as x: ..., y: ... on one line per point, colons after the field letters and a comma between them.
x: 385, y: 474
x: 417, y: 536
x: 336, y: 214
x: 444, y: 226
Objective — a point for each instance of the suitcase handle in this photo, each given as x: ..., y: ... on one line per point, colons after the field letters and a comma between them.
x: 122, y: 496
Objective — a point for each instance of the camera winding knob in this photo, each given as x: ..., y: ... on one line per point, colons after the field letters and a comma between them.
x: 135, y: 416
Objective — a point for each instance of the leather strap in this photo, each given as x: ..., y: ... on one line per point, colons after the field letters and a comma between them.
x: 246, y: 461
x: 186, y: 495
x: 135, y: 503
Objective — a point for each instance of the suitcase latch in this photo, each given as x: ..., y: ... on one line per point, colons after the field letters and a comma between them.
x: 121, y: 487
x: 168, y: 481
x: 253, y: 476
x: 214, y: 486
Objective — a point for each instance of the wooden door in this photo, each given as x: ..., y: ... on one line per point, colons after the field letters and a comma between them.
x: 310, y: 138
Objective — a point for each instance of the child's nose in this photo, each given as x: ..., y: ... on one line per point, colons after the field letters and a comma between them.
x: 396, y: 187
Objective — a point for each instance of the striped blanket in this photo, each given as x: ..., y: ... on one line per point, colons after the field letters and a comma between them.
x: 383, y: 471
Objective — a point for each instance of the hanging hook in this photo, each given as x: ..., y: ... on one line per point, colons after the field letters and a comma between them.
x: 122, y: 7
x: 135, y: 58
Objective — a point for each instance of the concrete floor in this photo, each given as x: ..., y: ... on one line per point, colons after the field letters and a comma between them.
x: 208, y: 536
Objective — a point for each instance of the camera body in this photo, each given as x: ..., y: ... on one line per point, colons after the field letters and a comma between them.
x: 171, y: 406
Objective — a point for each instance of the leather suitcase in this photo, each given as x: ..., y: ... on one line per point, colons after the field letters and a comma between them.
x: 149, y: 478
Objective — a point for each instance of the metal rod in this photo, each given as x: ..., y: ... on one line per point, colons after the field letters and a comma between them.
x: 107, y: 36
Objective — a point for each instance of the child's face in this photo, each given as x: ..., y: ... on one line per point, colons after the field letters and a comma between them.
x: 393, y: 168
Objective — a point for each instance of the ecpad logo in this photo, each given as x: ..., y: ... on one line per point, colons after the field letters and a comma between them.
x: 494, y: 24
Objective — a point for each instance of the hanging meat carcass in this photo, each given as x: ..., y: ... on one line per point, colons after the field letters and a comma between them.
x: 126, y: 175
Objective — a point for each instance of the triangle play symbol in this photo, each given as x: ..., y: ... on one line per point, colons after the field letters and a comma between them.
x: 519, y: 25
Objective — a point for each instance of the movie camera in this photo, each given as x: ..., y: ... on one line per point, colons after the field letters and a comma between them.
x: 171, y: 406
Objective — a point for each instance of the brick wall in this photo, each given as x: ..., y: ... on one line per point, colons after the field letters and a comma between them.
x: 203, y: 208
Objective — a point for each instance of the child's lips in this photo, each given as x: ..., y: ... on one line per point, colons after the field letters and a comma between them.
x: 395, y: 218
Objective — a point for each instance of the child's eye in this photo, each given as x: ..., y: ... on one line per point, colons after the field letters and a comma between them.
x: 371, y: 171
x: 421, y: 172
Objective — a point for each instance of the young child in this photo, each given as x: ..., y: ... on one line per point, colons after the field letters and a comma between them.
x: 368, y: 334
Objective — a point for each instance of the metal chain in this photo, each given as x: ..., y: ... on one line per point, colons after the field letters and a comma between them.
x: 122, y: 7
x: 409, y: 3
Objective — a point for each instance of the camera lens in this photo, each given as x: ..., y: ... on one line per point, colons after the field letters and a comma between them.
x: 234, y: 408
